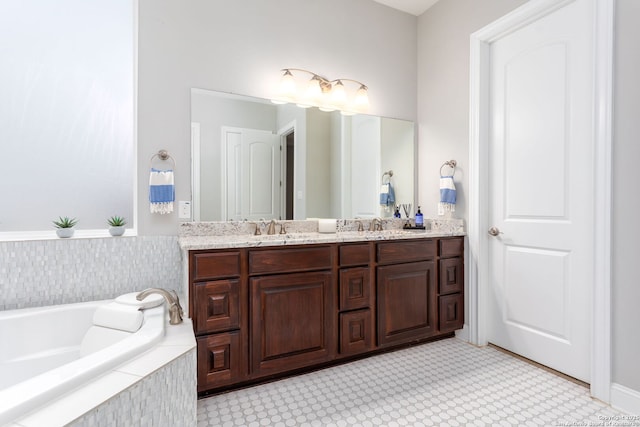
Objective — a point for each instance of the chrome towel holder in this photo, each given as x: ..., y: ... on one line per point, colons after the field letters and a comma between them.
x: 389, y: 174
x: 164, y: 156
x: 452, y: 164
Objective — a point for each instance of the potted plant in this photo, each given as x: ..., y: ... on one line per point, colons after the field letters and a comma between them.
x: 116, y: 225
x: 64, y: 226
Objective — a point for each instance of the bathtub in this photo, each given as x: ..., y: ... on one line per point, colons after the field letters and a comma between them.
x: 43, y: 355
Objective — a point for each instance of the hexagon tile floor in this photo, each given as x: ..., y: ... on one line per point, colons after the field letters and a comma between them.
x: 446, y: 382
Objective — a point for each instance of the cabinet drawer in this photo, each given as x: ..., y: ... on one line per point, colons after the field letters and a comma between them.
x: 356, y: 332
x: 451, y: 247
x: 213, y: 265
x: 217, y: 306
x: 355, y: 288
x: 451, y: 277
x: 451, y: 312
x: 399, y: 252
x: 354, y: 255
x: 219, y: 360
x: 290, y: 260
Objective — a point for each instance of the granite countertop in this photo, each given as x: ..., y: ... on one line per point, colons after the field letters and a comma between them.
x: 225, y: 242
x: 302, y: 235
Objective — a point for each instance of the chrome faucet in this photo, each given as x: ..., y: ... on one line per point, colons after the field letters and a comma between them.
x: 257, y: 232
x: 376, y: 225
x: 272, y: 227
x: 175, y: 309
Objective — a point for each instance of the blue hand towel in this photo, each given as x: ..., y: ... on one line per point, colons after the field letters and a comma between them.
x: 387, y: 195
x: 161, y: 191
x: 447, y: 195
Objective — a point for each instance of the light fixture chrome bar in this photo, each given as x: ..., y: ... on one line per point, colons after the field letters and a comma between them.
x: 328, y: 95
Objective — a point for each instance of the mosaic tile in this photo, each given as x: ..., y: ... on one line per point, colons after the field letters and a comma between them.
x: 446, y: 382
x: 50, y: 272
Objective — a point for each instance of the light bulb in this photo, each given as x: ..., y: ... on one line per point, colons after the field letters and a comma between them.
x: 338, y: 94
x: 314, y: 91
x: 287, y: 87
x: 361, y: 102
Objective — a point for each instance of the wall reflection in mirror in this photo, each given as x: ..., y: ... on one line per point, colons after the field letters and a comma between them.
x: 256, y: 160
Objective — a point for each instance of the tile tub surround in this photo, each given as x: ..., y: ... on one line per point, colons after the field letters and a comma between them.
x: 62, y: 271
x: 158, y: 388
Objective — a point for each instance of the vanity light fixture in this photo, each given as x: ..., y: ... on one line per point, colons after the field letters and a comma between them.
x: 327, y: 95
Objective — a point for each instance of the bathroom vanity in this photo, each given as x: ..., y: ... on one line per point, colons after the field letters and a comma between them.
x: 267, y: 306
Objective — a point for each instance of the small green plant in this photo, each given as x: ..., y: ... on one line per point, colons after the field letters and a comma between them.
x: 65, y: 222
x: 117, y: 221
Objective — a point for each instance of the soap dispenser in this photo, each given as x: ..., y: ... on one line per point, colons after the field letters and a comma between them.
x: 396, y: 214
x: 419, y: 219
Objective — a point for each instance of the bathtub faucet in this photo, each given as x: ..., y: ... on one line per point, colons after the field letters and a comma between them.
x: 175, y: 309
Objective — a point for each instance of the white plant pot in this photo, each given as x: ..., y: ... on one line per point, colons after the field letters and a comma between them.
x: 116, y: 231
x: 64, y: 232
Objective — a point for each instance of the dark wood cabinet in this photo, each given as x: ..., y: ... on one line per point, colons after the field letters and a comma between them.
x: 218, y: 307
x: 264, y: 312
x: 291, y: 321
x: 356, y: 295
x: 220, y: 359
x: 451, y: 277
x: 451, y: 312
x: 451, y: 284
x: 356, y: 332
x: 407, y: 307
x: 355, y: 288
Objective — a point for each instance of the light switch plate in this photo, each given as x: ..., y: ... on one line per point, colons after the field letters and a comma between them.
x: 184, y: 209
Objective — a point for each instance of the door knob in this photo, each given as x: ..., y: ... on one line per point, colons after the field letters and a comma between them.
x: 494, y: 231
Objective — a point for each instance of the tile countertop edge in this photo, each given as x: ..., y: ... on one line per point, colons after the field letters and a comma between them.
x: 188, y: 243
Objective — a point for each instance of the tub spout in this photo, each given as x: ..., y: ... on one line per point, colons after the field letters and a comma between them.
x: 175, y: 309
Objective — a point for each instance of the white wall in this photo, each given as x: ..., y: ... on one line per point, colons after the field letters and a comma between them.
x: 626, y: 197
x: 443, y: 92
x: 443, y: 110
x: 239, y: 46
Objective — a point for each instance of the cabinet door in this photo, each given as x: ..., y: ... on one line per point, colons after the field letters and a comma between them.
x: 407, y: 306
x: 217, y: 306
x: 355, y: 288
x: 292, y: 321
x: 451, y: 275
x: 219, y: 360
x: 356, y: 332
x: 451, y: 312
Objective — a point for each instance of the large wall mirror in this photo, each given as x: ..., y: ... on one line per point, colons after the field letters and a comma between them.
x: 256, y: 160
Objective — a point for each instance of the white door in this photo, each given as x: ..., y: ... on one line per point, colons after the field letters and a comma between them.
x: 541, y: 180
x: 253, y: 174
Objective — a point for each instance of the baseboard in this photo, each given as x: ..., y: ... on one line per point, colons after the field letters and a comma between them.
x: 463, y: 333
x: 625, y: 399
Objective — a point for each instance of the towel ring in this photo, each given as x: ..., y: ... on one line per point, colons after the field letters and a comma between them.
x: 452, y: 164
x: 164, y: 156
x: 389, y: 173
